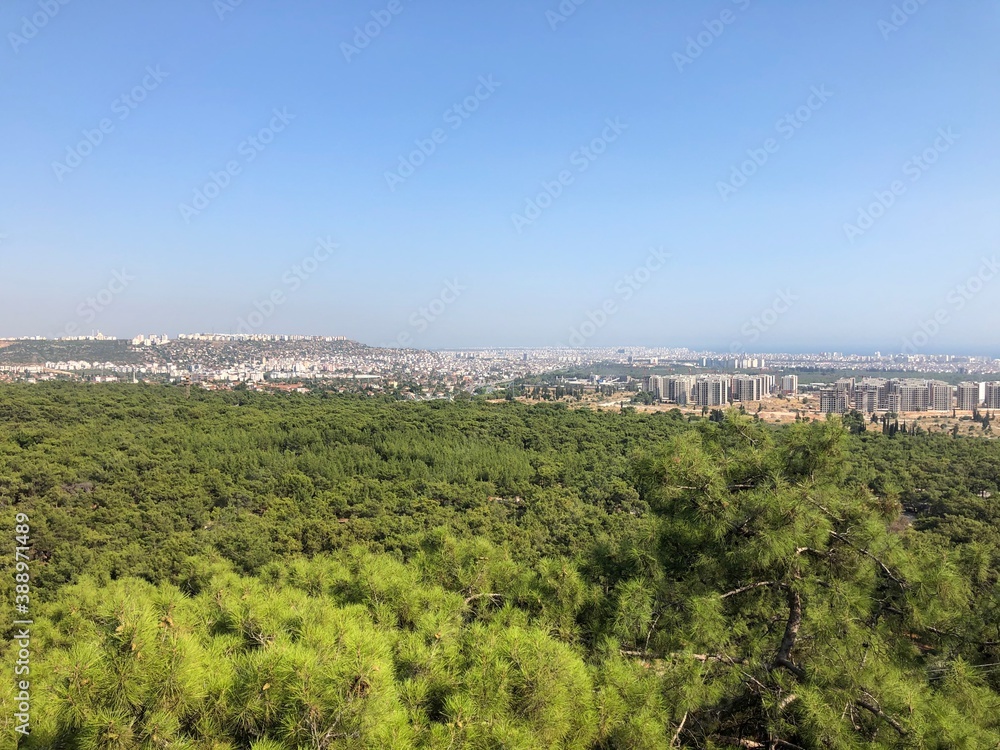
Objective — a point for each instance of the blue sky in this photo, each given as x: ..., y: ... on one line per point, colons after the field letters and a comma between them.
x: 438, y: 255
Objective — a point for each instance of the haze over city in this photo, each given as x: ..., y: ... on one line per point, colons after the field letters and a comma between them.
x: 505, y: 175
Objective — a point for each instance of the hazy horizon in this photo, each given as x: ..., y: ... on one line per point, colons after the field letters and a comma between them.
x: 693, y: 348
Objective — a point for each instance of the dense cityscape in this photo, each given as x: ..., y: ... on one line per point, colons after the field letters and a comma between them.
x: 838, y: 382
x: 865, y: 395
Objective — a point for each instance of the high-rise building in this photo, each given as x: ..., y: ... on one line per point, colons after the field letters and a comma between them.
x: 656, y: 385
x: 913, y: 395
x: 992, y: 400
x: 938, y: 396
x: 968, y: 396
x: 888, y: 395
x: 714, y: 390
x: 877, y: 394
x: 845, y: 385
x: 746, y: 388
x: 866, y: 395
x: 679, y: 389
x: 832, y: 401
x: 790, y: 385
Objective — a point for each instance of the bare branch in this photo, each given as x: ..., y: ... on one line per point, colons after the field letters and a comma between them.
x: 491, y: 597
x: 811, y: 551
x: 651, y: 629
x: 787, y: 701
x: 742, y: 742
x: 680, y: 728
x: 759, y: 584
x: 664, y: 657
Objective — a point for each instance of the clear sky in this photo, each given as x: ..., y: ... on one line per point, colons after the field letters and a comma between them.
x: 742, y: 139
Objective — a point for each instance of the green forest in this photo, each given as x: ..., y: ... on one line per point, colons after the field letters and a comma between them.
x: 245, y: 571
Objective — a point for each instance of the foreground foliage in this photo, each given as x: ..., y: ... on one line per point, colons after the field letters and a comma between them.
x: 335, y: 573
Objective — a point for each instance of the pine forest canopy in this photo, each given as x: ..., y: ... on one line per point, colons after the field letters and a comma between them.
x: 237, y: 571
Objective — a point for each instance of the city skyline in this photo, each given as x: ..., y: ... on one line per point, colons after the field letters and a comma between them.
x: 98, y: 335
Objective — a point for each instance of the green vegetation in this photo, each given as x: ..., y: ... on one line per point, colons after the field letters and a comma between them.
x: 40, y: 352
x: 258, y: 572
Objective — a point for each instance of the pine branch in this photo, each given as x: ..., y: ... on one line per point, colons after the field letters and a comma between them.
x: 950, y: 634
x: 784, y: 659
x: 824, y: 509
x: 792, y: 625
x: 866, y: 553
x: 872, y: 708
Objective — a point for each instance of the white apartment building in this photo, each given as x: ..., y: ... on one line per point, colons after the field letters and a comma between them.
x: 968, y: 397
x: 746, y: 388
x: 866, y: 398
x: 714, y: 390
x: 845, y: 385
x: 913, y: 396
x: 790, y: 385
x: 679, y: 389
x: 992, y: 400
x: 833, y: 401
x: 939, y: 396
x: 656, y: 385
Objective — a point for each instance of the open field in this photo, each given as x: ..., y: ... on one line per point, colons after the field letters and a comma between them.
x: 784, y: 411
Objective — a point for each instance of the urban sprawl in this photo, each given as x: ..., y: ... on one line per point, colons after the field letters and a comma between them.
x: 675, y: 376
x: 865, y: 395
